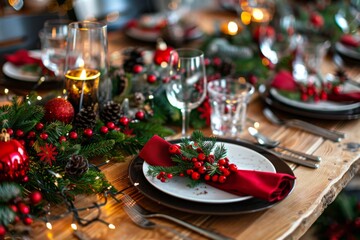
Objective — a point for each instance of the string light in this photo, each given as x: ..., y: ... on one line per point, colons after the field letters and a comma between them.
x: 74, y: 226
x: 111, y: 226
x: 49, y: 225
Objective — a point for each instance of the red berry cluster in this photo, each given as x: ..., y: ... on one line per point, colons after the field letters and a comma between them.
x: 312, y: 92
x: 21, y: 209
x: 201, y: 167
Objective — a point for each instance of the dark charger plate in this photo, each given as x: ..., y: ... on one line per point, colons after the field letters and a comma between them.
x: 328, y: 115
x: 138, y: 179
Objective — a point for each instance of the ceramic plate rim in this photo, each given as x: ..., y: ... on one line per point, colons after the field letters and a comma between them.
x: 14, y: 72
x: 347, y: 51
x: 196, y: 197
x: 307, y: 106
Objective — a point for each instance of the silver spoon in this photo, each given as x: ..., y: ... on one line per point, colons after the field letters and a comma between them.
x: 267, y: 142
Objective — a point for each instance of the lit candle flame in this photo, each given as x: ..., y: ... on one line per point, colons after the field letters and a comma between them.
x: 83, y: 74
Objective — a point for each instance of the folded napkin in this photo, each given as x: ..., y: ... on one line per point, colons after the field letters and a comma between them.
x: 22, y: 57
x: 284, y: 80
x: 265, y: 185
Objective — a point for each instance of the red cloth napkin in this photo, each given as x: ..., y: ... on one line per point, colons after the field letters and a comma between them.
x: 265, y: 185
x: 285, y: 81
x: 21, y: 57
x: 350, y: 40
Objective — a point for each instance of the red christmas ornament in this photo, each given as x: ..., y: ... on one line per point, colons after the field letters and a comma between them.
x: 59, y: 109
x: 2, y: 230
x: 151, y: 78
x: 124, y: 121
x: 104, y: 129
x: 27, y: 220
x: 140, y: 115
x: 73, y: 135
x: 14, y: 161
x: 162, y: 53
x: 88, y: 132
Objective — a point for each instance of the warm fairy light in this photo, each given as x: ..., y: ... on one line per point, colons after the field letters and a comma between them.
x: 107, y: 161
x: 232, y: 28
x: 39, y: 98
x: 74, y: 226
x: 151, y: 97
x: 49, y: 225
x: 6, y: 91
x: 256, y: 125
x: 245, y: 18
x: 258, y: 14
x: 111, y: 226
x: 58, y: 175
x: 97, y: 178
x: 136, y: 184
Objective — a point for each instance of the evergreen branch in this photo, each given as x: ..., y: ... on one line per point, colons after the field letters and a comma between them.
x: 55, y: 130
x: 175, y: 170
x: 8, y: 191
x: 97, y: 148
x: 220, y: 152
x: 148, y: 130
x: 7, y: 215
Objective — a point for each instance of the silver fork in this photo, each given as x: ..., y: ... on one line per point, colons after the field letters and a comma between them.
x: 130, y: 203
x: 142, y: 222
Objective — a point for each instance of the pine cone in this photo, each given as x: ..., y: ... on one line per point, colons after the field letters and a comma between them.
x: 77, y: 165
x: 86, y: 118
x: 133, y: 57
x: 111, y: 112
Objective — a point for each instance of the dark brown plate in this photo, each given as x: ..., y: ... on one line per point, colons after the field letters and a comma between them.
x: 138, y: 179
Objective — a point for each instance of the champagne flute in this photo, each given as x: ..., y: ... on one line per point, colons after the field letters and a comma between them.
x: 186, y: 88
x: 53, y: 45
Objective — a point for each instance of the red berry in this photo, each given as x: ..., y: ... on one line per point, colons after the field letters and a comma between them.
x: 2, y: 230
x: 39, y: 126
x: 151, y: 78
x: 137, y: 68
x: 10, y: 131
x: 233, y: 167
x: 19, y: 133
x: 31, y: 135
x: 316, y: 98
x: 316, y: 19
x: 104, y: 129
x: 174, y: 149
x: 304, y: 97
x: 222, y: 179
x: 197, y: 164
x: 44, y: 136
x: 62, y: 139
x: 207, y: 177
x: 111, y: 125
x: 169, y: 175
x: 337, y: 89
x: 163, y: 179
x: 13, y: 208
x: 195, y: 176
x: 124, y: 121
x: 221, y: 162
x: 181, y: 174
x: 73, y: 135
x: 23, y: 208
x: 27, y: 220
x: 226, y: 172
x: 201, y: 157
x: 202, y: 169
x: 194, y: 159
x: 215, y: 178
x: 88, y: 132
x: 189, y: 171
x: 35, y: 197
x: 140, y: 115
x: 323, y: 95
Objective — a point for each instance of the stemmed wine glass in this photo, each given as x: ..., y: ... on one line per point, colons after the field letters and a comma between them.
x: 53, y: 45
x: 186, y: 88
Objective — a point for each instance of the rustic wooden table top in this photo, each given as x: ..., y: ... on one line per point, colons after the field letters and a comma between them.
x: 289, y: 219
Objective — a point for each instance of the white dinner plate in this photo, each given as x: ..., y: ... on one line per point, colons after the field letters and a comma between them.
x: 347, y: 51
x: 244, y: 158
x: 17, y: 73
x: 324, y: 106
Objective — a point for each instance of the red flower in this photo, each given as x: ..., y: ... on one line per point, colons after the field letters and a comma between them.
x: 47, y: 153
x: 205, y: 111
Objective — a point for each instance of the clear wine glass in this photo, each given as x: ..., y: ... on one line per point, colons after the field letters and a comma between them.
x: 186, y: 88
x: 53, y: 45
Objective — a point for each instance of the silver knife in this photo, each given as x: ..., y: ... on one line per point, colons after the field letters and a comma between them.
x: 296, y: 160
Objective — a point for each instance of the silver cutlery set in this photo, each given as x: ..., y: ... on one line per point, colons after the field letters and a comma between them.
x: 140, y: 216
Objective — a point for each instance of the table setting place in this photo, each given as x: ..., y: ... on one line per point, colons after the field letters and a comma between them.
x: 229, y: 128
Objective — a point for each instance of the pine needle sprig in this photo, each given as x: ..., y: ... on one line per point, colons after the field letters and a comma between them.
x: 8, y: 191
x: 7, y: 215
x: 97, y: 148
x: 55, y: 130
x: 220, y: 152
x: 175, y: 170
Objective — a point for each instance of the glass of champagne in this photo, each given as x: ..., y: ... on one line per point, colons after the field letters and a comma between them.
x: 53, y: 45
x: 86, y: 65
x: 186, y: 88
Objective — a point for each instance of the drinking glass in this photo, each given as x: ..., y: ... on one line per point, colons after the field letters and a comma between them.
x: 53, y: 45
x: 86, y: 66
x: 186, y: 88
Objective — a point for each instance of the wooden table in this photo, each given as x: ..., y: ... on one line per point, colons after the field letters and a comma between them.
x: 290, y: 219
